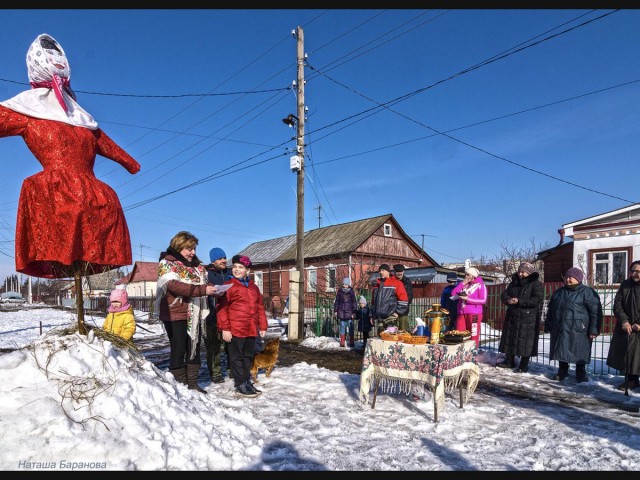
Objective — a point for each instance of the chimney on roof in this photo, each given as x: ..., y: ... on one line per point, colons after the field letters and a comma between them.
x: 561, y: 232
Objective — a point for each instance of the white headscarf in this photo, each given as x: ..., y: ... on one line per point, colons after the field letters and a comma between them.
x: 51, y: 97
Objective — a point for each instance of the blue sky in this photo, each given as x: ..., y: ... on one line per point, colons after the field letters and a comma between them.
x: 499, y: 126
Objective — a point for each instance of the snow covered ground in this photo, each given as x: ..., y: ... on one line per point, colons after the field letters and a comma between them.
x: 78, y: 403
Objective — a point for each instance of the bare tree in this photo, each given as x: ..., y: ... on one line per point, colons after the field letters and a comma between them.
x: 511, y: 256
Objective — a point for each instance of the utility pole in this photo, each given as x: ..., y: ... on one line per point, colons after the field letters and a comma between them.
x: 319, y: 208
x: 300, y: 186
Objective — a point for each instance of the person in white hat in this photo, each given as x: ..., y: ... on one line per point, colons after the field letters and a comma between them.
x: 472, y: 293
x: 364, y: 320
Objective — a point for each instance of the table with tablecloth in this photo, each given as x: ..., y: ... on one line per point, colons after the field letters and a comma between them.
x: 393, y: 365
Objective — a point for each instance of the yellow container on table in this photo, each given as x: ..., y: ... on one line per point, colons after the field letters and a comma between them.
x: 437, y: 318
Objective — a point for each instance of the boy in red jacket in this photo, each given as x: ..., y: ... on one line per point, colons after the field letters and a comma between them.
x: 241, y: 317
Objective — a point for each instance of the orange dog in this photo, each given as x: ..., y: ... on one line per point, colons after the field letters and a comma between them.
x: 266, y: 359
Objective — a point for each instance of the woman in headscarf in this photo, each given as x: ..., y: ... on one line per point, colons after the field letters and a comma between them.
x: 523, y: 298
x: 181, y: 303
x: 65, y: 214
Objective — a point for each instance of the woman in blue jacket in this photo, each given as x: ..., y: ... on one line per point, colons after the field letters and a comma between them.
x: 572, y: 319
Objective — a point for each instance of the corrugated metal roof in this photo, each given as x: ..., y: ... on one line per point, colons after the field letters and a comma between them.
x: 104, y: 280
x: 268, y: 250
x: 325, y: 241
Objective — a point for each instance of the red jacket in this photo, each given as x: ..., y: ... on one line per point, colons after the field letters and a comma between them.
x: 389, y: 297
x: 241, y: 310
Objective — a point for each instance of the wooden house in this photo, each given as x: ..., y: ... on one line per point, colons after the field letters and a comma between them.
x: 353, y: 250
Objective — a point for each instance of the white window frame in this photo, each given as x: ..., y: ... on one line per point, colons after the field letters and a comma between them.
x: 612, y: 263
x: 334, y: 269
x: 312, y: 280
x: 259, y: 280
x: 386, y: 229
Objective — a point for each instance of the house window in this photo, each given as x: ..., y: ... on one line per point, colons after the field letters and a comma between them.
x: 257, y: 277
x: 610, y: 267
x: 312, y: 280
x: 331, y: 279
x: 387, y: 229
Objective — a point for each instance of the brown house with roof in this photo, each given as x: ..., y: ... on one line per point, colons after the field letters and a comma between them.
x: 354, y: 250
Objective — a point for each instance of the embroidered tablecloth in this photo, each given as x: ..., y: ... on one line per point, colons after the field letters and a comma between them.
x: 399, y: 366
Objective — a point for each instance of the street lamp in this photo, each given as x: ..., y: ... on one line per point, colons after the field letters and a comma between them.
x: 290, y: 120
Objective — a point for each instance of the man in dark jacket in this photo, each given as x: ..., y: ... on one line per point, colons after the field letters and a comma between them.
x: 217, y: 273
x: 398, y: 272
x: 447, y: 303
x: 389, y: 299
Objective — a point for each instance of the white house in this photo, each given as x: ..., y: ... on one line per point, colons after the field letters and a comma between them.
x: 605, y: 245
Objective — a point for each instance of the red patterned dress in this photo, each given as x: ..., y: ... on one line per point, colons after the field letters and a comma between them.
x: 65, y: 213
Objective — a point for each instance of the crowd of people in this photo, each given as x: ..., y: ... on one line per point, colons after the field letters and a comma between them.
x: 223, y: 308
x: 193, y: 304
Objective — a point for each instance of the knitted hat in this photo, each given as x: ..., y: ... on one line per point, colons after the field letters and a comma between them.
x: 362, y: 300
x: 575, y: 273
x: 216, y: 254
x: 242, y: 259
x: 526, y: 267
x: 452, y: 277
x: 346, y: 281
x: 473, y: 271
x: 386, y: 267
x: 398, y: 267
x: 119, y: 295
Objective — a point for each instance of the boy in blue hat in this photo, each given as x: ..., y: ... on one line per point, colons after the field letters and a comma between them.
x: 217, y: 273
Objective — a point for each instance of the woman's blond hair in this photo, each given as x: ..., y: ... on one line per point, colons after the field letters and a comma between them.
x: 182, y: 240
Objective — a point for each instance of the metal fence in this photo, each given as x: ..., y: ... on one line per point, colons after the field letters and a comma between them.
x: 319, y: 320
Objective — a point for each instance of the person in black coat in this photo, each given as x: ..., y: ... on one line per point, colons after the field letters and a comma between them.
x: 523, y: 297
x: 624, y: 351
x: 364, y: 322
x: 447, y: 302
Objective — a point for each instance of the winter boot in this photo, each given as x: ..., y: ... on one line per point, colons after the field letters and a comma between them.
x: 563, y: 371
x: 581, y: 373
x: 342, y: 340
x: 524, y: 365
x: 192, y: 377
x: 180, y: 374
x: 252, y: 388
x: 351, y: 342
x: 509, y: 362
x: 243, y: 390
